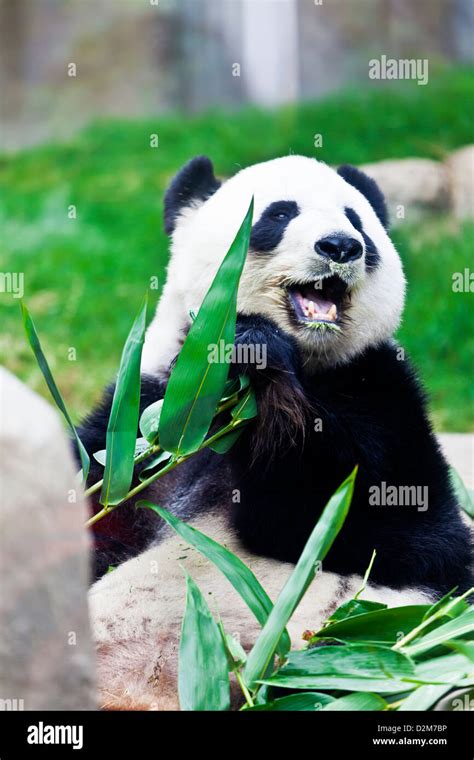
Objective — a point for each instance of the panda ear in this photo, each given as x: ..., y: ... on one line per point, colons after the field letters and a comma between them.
x: 193, y: 184
x: 369, y: 189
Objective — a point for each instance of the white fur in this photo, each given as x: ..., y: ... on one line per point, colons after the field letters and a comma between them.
x: 137, y: 609
x: 204, y: 233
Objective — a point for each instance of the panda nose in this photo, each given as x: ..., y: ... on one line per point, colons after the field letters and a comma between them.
x: 339, y: 248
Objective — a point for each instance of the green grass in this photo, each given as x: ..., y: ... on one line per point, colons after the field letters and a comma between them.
x: 85, y: 278
x: 437, y: 324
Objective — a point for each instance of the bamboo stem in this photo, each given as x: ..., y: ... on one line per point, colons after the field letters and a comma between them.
x: 144, y: 455
x: 145, y: 483
x: 421, y: 627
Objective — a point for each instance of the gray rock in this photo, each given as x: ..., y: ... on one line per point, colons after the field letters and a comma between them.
x: 458, y: 449
x: 411, y: 186
x: 460, y: 175
x: 46, y: 655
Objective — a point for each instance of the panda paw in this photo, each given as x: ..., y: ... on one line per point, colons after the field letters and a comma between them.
x: 262, y: 348
x: 271, y: 359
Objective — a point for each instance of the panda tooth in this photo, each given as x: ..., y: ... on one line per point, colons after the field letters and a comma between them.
x: 332, y: 313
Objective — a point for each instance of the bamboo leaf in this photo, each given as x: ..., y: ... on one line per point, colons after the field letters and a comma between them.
x: 35, y: 345
x: 358, y: 701
x: 234, y: 385
x: 305, y: 702
x: 424, y: 697
x: 379, y: 627
x: 317, y: 546
x: 246, y: 409
x: 236, y: 655
x: 459, y: 626
x: 463, y: 494
x: 448, y: 669
x: 356, y: 667
x: 196, y: 384
x: 150, y: 421
x: 464, y: 647
x: 446, y: 606
x: 236, y: 572
x: 354, y: 607
x: 161, y: 458
x: 203, y: 680
x: 123, y: 421
x: 140, y: 445
x: 224, y: 444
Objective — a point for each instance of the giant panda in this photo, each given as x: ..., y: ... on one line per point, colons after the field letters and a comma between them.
x: 323, y: 290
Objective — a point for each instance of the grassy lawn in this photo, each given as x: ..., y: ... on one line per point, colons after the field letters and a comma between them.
x: 85, y: 277
x: 437, y: 324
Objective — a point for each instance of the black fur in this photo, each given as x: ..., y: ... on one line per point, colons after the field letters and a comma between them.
x: 283, y: 406
x: 194, y: 182
x: 372, y: 256
x: 268, y: 232
x: 369, y: 189
x: 372, y: 412
x: 354, y: 218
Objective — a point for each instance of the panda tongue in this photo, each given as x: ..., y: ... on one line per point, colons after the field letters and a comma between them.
x: 322, y: 306
x: 310, y: 293
x: 314, y: 306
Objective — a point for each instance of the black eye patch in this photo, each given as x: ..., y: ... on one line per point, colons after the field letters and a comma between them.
x: 268, y: 232
x: 372, y: 256
x: 354, y: 218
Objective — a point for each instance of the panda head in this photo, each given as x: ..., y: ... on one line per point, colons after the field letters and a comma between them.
x: 320, y: 264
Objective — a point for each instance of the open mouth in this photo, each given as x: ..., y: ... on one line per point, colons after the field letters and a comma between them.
x: 320, y: 302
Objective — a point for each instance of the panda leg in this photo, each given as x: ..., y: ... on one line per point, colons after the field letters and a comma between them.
x: 137, y: 610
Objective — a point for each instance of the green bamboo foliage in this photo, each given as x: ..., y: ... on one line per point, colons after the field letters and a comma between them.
x: 364, y: 665
x: 35, y: 344
x: 123, y: 421
x: 196, y: 385
x: 203, y: 679
x: 464, y: 495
